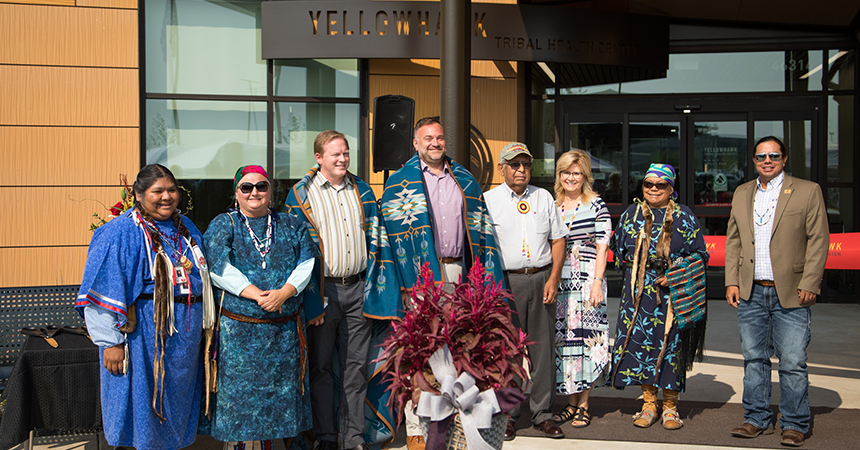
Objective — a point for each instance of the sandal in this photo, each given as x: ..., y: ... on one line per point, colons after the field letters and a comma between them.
x: 645, y: 418
x: 671, y: 420
x: 568, y: 413
x: 581, y: 416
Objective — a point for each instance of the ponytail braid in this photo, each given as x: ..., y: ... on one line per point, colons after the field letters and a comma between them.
x: 180, y: 227
x: 153, y: 234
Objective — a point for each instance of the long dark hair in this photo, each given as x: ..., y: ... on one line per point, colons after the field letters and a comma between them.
x: 148, y: 176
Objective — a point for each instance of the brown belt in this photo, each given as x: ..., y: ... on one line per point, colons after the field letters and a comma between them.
x: 347, y: 280
x: 529, y: 270
x: 451, y: 260
x: 766, y: 283
x: 303, y: 344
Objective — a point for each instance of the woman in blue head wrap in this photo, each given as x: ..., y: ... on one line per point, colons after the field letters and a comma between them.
x: 652, y: 237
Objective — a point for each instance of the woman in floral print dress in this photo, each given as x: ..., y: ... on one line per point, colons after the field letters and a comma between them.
x: 582, y: 329
x: 646, y: 353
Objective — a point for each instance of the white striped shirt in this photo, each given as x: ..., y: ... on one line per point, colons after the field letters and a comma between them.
x: 337, y: 215
x: 764, y: 210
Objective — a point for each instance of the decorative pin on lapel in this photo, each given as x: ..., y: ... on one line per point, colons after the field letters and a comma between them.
x: 787, y: 191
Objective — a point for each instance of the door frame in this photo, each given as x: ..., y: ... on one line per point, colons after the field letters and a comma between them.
x: 687, y: 110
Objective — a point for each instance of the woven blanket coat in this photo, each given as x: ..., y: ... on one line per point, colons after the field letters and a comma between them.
x: 379, y: 302
x: 382, y: 301
x: 408, y: 222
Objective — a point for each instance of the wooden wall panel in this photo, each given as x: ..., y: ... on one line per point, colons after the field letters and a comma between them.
x: 90, y: 37
x: 52, y: 215
x: 424, y: 90
x: 69, y: 96
x: 128, y: 4
x: 494, y: 108
x: 42, y: 266
x: 492, y: 69
x: 67, y: 156
x: 42, y: 2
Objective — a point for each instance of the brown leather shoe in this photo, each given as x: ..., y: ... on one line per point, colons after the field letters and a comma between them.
x: 510, y: 431
x: 415, y: 442
x: 792, y: 438
x: 748, y: 430
x: 550, y: 429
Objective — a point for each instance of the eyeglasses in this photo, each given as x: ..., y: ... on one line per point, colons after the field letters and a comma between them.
x: 650, y: 185
x: 567, y: 174
x: 774, y: 156
x: 262, y: 186
x: 516, y: 165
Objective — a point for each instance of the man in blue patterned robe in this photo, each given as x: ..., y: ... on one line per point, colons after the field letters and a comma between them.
x: 434, y: 213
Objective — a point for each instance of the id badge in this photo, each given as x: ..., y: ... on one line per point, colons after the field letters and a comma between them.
x: 182, y: 280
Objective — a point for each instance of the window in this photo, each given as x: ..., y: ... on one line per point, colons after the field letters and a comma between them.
x: 208, y: 106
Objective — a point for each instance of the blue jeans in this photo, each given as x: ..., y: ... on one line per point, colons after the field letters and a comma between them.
x: 767, y: 328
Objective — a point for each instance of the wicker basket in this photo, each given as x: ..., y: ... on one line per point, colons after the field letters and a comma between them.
x: 456, y: 440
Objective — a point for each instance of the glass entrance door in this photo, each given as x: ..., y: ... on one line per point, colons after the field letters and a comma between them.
x: 711, y: 153
x: 710, y: 147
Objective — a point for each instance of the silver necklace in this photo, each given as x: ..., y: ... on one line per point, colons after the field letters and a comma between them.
x: 262, y: 245
x: 763, y: 218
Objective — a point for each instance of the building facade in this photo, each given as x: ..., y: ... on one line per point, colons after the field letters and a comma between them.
x: 93, y: 89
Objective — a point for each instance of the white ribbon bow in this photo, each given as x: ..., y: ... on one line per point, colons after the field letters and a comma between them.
x: 459, y: 395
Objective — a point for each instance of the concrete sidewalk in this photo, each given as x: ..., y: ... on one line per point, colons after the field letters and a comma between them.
x: 834, y: 376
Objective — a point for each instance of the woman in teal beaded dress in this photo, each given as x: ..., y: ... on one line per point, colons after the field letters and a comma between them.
x: 262, y: 260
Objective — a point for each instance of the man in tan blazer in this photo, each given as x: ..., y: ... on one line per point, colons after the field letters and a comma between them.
x: 776, y: 247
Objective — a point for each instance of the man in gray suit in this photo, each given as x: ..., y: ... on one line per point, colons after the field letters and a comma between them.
x: 776, y: 247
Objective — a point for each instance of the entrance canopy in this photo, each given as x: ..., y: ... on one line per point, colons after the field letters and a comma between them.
x: 375, y: 29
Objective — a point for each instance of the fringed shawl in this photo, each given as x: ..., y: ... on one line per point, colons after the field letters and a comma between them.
x: 690, y: 306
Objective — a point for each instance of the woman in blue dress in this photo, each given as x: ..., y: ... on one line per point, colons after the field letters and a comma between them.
x: 262, y: 260
x: 146, y: 299
x: 650, y: 237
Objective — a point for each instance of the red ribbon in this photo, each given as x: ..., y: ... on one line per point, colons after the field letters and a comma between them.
x: 843, y: 253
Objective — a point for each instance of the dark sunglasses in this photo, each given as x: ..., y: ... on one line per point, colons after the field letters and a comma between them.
x: 262, y: 186
x: 516, y: 165
x: 650, y: 185
x: 774, y: 156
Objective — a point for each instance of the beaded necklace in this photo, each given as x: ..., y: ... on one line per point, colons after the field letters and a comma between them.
x: 262, y: 245
x: 575, y: 211
x: 573, y: 254
x: 174, y: 244
x: 763, y: 218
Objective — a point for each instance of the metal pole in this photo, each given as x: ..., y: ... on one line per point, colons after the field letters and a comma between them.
x: 455, y: 83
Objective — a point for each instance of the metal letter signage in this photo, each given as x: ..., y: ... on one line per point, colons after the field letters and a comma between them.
x: 380, y: 29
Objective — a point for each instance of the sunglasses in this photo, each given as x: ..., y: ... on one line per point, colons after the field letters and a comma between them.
x: 650, y: 185
x: 516, y: 165
x: 774, y: 156
x: 247, y: 188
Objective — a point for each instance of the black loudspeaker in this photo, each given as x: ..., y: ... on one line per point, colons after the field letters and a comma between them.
x: 393, y: 116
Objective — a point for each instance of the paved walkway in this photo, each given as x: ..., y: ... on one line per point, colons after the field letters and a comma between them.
x: 834, y: 373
